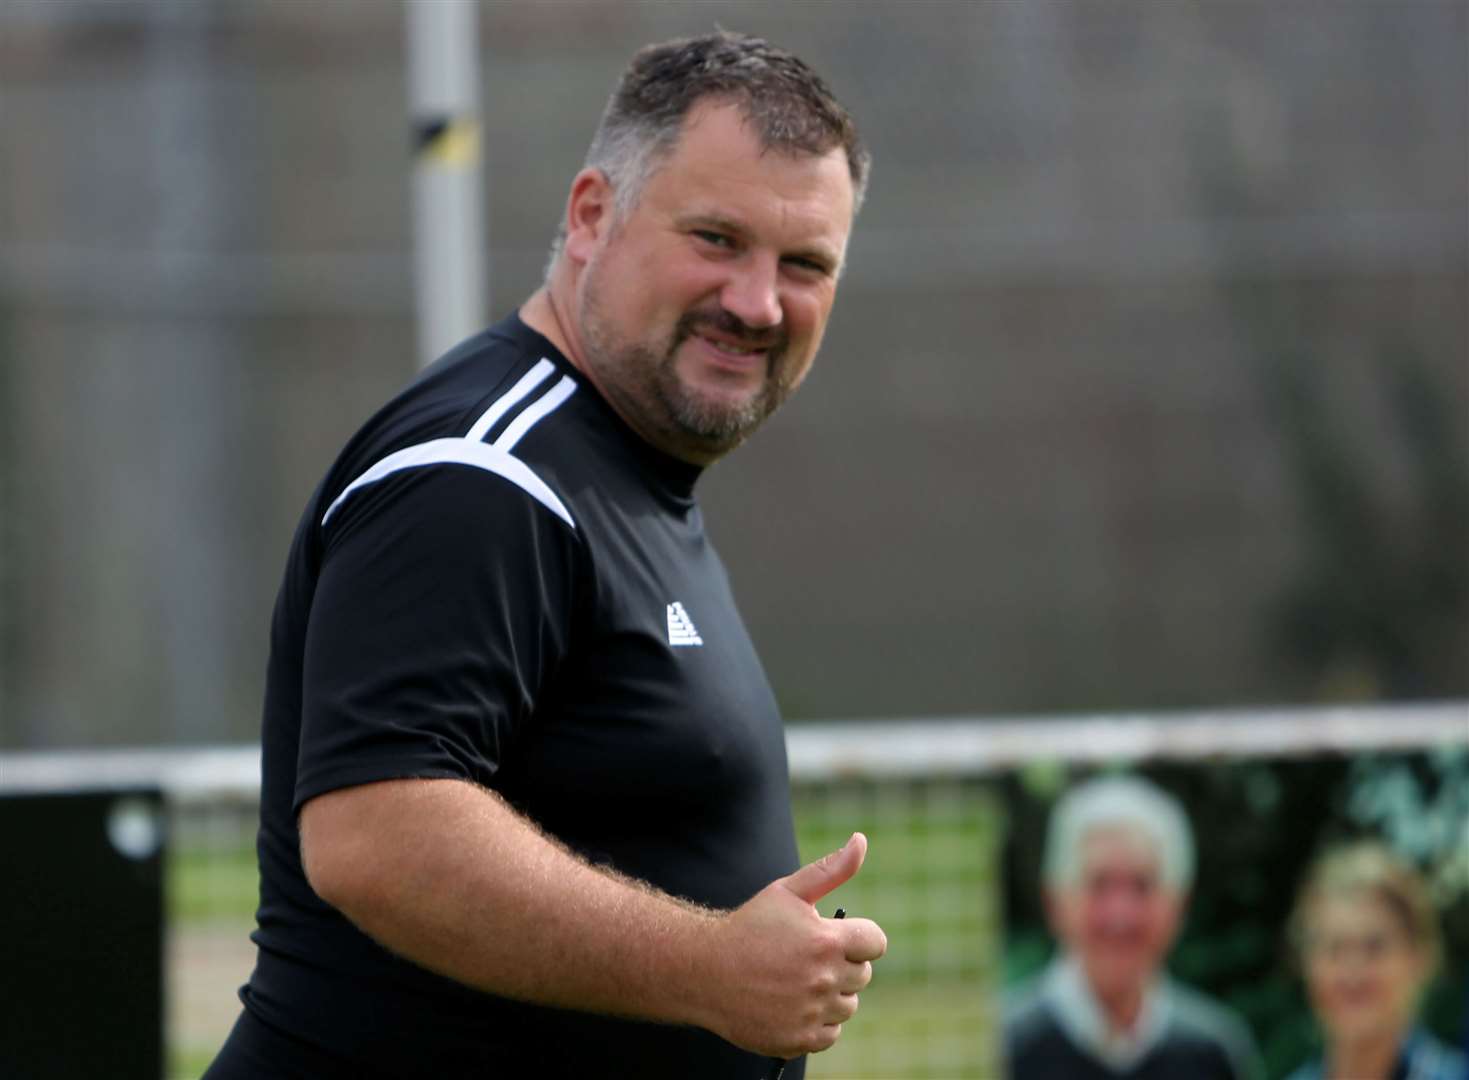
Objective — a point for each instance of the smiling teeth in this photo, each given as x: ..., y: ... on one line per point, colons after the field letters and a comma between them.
x: 722, y: 347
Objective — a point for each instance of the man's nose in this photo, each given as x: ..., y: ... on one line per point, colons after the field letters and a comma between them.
x: 1118, y: 910
x: 752, y: 293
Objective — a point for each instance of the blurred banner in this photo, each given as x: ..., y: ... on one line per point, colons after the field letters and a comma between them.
x: 83, y: 910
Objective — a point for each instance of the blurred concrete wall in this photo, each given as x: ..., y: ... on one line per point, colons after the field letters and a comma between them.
x: 1112, y: 396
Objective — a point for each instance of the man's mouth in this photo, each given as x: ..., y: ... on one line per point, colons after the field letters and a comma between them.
x: 731, y: 348
x: 729, y: 337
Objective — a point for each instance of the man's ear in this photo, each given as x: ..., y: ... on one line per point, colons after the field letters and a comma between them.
x: 589, y: 212
x: 1050, y: 904
x: 1179, y: 913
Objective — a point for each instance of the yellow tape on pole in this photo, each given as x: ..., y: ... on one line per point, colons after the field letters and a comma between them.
x: 449, y: 142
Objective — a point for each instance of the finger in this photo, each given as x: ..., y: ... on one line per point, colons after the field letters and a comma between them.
x: 856, y: 978
x: 815, y: 880
x: 863, y: 940
x: 840, y: 1010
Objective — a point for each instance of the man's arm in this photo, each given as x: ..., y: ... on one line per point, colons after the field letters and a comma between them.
x: 451, y: 877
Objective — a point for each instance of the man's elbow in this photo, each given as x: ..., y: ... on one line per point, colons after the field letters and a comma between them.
x: 335, y: 855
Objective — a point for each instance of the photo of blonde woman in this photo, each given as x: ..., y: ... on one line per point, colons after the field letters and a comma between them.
x: 1367, y: 937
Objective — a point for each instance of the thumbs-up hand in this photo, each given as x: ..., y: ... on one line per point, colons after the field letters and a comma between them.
x: 787, y: 979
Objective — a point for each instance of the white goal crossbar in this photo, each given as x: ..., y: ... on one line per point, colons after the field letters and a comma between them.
x: 874, y: 749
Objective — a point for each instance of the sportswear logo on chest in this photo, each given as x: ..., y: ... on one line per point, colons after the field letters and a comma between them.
x: 681, y: 629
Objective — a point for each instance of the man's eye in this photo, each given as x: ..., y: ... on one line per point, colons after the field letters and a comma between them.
x: 809, y: 265
x: 717, y: 239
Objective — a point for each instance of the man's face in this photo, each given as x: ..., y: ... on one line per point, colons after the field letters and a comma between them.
x: 702, y: 309
x: 1118, y: 918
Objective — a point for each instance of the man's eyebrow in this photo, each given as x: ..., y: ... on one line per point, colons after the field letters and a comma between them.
x: 711, y: 221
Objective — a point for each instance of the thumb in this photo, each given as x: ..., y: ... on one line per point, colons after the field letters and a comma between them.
x: 815, y: 880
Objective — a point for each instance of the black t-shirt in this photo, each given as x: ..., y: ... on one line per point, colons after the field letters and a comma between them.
x: 499, y: 582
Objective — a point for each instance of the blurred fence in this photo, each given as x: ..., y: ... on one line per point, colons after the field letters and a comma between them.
x: 923, y: 791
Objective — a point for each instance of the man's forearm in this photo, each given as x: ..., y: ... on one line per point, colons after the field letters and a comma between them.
x: 451, y: 877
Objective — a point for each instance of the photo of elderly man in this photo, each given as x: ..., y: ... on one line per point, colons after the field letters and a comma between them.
x: 1117, y: 871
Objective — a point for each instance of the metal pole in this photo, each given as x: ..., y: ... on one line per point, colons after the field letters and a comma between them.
x: 448, y: 217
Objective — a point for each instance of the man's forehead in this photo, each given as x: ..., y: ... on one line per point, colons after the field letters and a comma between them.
x: 720, y: 166
x: 721, y: 118
x: 1119, y: 847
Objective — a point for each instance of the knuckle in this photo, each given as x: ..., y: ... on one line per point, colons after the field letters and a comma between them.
x: 830, y: 943
x: 826, y: 1038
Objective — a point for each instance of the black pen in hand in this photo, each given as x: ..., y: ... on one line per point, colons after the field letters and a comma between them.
x: 780, y: 1065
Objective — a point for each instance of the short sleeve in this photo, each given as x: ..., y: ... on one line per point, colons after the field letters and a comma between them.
x: 442, y: 607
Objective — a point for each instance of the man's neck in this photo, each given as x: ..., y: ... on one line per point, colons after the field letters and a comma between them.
x: 1120, y: 1031
x: 1122, y: 1009
x: 540, y: 314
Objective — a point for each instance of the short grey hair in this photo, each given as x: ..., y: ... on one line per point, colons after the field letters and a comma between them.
x: 1119, y: 802
x: 787, y: 104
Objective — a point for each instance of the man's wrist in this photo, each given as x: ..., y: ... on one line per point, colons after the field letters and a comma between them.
x: 696, y: 975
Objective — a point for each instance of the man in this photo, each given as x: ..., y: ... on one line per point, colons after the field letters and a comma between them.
x: 1118, y: 865
x: 525, y: 806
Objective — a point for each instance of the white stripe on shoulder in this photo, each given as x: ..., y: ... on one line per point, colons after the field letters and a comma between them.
x: 534, y: 414
x: 459, y: 452
x: 506, y: 401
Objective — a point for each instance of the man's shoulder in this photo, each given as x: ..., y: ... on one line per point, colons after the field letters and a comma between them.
x: 448, y: 396
x: 1197, y: 1011
x: 471, y: 407
x: 1035, y: 1044
x: 1198, y: 1017
x: 1025, y: 1015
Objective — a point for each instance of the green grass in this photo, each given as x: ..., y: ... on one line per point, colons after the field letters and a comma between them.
x: 188, y: 1062
x: 905, y: 1029
x: 213, y: 885
x: 207, y: 889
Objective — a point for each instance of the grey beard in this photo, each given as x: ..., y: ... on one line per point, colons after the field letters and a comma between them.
x: 721, y: 426
x: 646, y: 384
